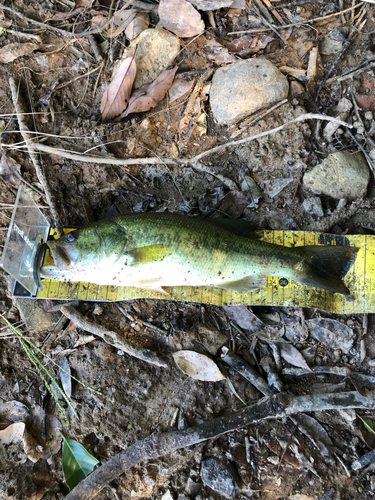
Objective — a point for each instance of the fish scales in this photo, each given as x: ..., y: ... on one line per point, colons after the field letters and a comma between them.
x: 152, y: 250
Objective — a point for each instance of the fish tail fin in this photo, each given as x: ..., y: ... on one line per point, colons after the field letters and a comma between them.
x: 327, y: 265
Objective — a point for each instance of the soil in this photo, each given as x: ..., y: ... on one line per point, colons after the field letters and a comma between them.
x: 136, y: 399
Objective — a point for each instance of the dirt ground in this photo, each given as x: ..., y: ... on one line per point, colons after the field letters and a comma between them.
x: 137, y: 399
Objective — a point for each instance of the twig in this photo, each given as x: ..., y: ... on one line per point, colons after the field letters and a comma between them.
x: 301, y: 118
x: 245, y: 124
x: 34, y: 158
x: 154, y: 446
x: 246, y: 371
x: 351, y: 74
x: 329, y: 370
x: 364, y: 460
x: 112, y: 338
x: 193, y: 162
x: 284, y: 26
x: 47, y: 26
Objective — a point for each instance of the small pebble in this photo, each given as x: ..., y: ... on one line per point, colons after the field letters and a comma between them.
x: 369, y: 115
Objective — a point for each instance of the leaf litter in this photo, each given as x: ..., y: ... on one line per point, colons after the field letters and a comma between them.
x: 130, y: 386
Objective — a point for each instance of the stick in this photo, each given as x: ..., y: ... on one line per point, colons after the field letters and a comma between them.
x: 175, y: 161
x: 20, y: 109
x: 154, y: 446
x: 300, y: 23
x: 113, y: 338
x: 246, y: 371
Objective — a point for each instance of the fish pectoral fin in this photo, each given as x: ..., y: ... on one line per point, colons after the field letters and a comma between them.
x: 150, y: 253
x: 245, y: 284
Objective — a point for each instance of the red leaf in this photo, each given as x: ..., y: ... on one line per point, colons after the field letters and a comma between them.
x: 116, y: 98
x: 147, y: 96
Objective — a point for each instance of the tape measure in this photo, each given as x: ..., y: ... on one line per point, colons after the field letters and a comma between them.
x: 278, y: 291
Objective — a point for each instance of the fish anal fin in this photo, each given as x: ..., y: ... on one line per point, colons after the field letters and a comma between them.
x: 245, y: 284
x: 151, y: 253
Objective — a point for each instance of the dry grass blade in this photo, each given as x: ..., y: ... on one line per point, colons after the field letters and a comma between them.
x: 116, y: 98
x: 147, y: 96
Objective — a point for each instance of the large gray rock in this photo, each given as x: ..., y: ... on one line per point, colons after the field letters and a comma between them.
x: 340, y: 175
x: 157, y: 49
x: 244, y: 87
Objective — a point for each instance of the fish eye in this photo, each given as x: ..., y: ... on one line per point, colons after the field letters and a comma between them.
x: 70, y: 237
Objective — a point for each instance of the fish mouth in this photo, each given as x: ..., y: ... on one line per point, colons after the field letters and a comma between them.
x: 61, y: 262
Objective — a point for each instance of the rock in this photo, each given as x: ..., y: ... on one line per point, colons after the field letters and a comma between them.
x: 280, y: 221
x: 332, y: 43
x: 212, y: 339
x: 12, y: 452
x: 340, y: 111
x: 180, y: 17
x: 275, y: 186
x: 211, y: 4
x: 157, y: 50
x: 340, y: 175
x: 244, y: 87
x: 313, y: 206
x: 216, y: 475
x: 332, y: 333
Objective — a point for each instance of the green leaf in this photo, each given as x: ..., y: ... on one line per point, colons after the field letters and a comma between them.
x: 77, y: 463
x: 367, y: 422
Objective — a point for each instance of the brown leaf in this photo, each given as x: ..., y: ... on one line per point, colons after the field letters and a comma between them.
x: 147, y: 96
x: 180, y: 17
x: 292, y: 355
x: 12, y: 51
x: 10, y: 170
x: 116, y: 98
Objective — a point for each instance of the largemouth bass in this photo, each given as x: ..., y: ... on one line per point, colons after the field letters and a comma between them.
x: 152, y: 250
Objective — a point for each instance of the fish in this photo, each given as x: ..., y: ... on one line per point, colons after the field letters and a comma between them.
x: 156, y: 250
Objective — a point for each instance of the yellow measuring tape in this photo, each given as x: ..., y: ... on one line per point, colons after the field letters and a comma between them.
x: 277, y: 292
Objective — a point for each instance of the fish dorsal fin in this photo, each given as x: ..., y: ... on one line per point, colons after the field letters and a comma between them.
x: 151, y: 253
x: 244, y: 284
x: 240, y: 227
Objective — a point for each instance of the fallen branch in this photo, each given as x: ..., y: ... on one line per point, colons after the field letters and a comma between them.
x: 20, y: 110
x: 112, y: 338
x: 154, y: 446
x: 173, y: 161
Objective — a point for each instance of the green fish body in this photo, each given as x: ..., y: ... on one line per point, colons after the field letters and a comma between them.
x: 152, y: 250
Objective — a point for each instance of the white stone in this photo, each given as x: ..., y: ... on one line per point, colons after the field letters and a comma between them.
x: 340, y: 175
x: 157, y: 49
x: 242, y: 88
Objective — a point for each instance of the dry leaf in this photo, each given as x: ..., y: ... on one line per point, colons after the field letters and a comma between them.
x: 132, y: 21
x: 180, y: 17
x: 10, y: 170
x: 147, y: 96
x: 12, y: 51
x: 292, y: 355
x: 116, y: 98
x: 244, y: 317
x: 66, y: 380
x: 197, y: 366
